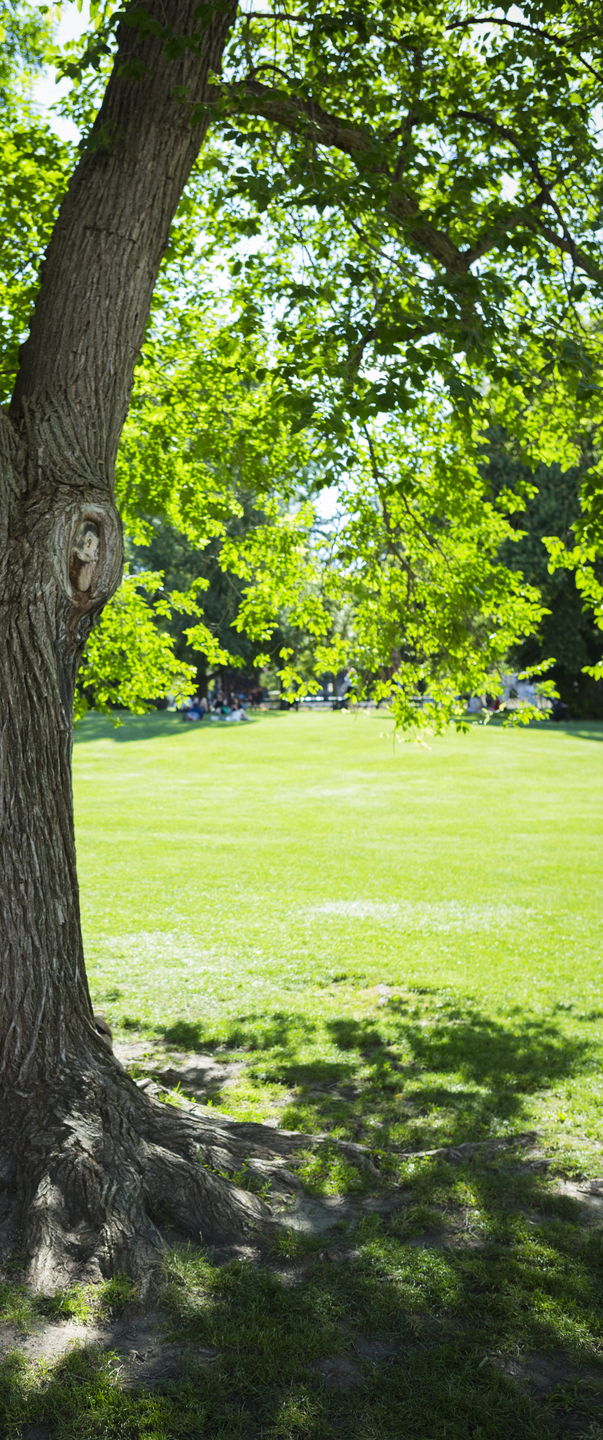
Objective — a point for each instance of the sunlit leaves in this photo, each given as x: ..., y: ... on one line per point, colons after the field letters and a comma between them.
x: 128, y: 660
x: 432, y: 610
x: 397, y: 205
x: 34, y: 169
x: 206, y: 420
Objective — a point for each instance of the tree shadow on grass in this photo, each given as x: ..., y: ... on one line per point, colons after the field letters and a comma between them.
x: 279, y: 1032
x: 575, y: 729
x: 378, y: 1336
x: 528, y: 1055
x: 395, y: 1082
x: 582, y: 729
x: 158, y: 724
x: 421, y: 1314
x: 445, y: 1082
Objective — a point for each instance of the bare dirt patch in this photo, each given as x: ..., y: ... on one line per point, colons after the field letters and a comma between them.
x: 553, y: 1380
x: 142, y: 1356
x: 340, y: 1374
x: 49, y: 1340
x: 195, y: 1075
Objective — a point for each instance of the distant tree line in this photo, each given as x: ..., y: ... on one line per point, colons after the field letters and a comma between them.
x: 569, y: 631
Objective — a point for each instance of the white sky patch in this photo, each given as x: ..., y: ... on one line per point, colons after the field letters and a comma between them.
x: 509, y: 187
x: 327, y: 504
x: 46, y: 93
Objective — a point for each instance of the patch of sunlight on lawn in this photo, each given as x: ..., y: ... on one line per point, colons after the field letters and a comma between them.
x: 434, y: 916
x: 401, y: 943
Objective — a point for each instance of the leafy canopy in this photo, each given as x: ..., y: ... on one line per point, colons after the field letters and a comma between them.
x: 395, y: 231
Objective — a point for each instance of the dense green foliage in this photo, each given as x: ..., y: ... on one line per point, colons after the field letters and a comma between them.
x: 34, y: 168
x: 425, y: 175
x: 181, y: 563
x: 567, y: 630
x: 132, y: 654
x: 393, y: 232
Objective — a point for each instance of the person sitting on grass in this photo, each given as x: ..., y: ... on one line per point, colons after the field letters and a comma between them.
x: 195, y: 710
x: 238, y: 713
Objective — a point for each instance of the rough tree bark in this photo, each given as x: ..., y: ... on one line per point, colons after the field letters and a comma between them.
x: 83, y: 1153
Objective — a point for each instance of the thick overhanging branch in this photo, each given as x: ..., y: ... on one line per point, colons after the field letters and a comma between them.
x: 531, y: 220
x: 568, y: 246
x: 306, y: 117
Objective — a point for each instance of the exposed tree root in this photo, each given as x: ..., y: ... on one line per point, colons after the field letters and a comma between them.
x: 85, y: 1163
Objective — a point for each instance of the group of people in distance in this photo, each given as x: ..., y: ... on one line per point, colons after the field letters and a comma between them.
x: 231, y: 708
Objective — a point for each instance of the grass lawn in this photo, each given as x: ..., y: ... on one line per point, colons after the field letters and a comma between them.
x: 400, y: 946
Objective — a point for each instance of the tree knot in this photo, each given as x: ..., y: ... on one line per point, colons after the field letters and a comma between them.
x: 87, y: 555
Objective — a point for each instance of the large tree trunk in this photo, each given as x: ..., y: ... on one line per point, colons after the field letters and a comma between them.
x: 83, y: 1153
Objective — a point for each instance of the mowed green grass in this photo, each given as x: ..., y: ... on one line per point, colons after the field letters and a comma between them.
x: 251, y: 886
x: 399, y: 945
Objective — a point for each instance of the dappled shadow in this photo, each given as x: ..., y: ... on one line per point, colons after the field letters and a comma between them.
x: 279, y: 1031
x: 533, y: 1054
x: 465, y: 1270
x: 306, y: 1076
x: 403, y: 1093
x: 186, y: 1035
x: 349, y: 1034
x: 378, y: 1334
x: 398, y: 1081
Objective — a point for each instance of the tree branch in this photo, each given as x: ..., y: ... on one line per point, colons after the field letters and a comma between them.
x: 307, y: 117
x: 277, y: 15
x: 566, y: 42
x: 565, y: 242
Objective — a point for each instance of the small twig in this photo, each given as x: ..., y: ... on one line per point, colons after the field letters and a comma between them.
x: 562, y: 40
